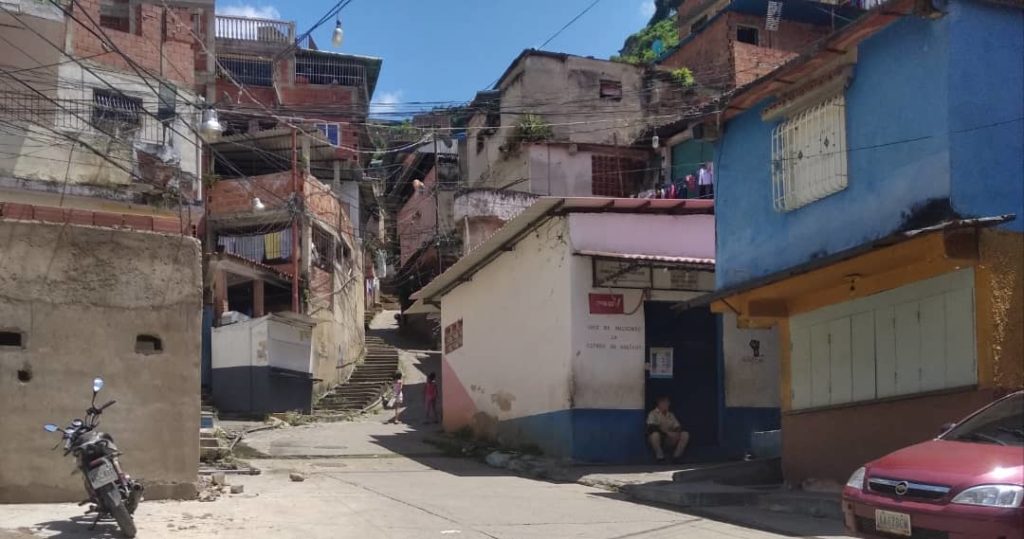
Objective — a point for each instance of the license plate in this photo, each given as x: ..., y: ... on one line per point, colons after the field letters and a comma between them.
x: 891, y: 522
x: 103, y: 475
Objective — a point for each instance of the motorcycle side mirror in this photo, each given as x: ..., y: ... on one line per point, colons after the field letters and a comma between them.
x: 97, y: 385
x: 50, y: 427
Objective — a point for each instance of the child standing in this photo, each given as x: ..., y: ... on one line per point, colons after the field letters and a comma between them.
x: 430, y: 398
x: 397, y: 398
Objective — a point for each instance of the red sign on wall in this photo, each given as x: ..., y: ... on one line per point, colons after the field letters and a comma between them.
x: 606, y: 304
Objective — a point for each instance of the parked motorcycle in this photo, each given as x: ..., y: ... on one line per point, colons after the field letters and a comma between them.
x: 111, y: 491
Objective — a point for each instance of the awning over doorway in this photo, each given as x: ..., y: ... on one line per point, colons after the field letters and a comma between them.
x: 863, y: 270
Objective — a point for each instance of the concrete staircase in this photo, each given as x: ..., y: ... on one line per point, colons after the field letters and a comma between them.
x: 367, y: 384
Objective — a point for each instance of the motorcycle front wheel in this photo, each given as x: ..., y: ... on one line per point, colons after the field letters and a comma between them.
x: 120, y: 512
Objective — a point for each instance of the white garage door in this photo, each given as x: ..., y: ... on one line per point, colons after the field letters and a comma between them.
x: 912, y: 339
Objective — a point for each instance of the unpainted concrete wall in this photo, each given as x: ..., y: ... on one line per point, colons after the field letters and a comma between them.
x: 80, y: 296
x: 566, y: 93
x: 339, y: 334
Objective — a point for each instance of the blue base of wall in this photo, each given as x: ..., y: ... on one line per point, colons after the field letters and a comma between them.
x: 613, y: 436
x: 599, y: 436
x: 551, y: 431
x: 739, y: 423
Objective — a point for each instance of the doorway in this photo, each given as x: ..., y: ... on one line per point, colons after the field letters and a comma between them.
x: 691, y: 378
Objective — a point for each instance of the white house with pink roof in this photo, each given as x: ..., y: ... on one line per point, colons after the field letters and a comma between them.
x: 562, y: 329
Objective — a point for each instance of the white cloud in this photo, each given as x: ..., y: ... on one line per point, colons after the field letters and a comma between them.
x: 647, y: 8
x: 386, y: 102
x: 246, y: 10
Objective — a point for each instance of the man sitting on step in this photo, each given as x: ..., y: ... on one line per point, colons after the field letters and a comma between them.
x: 663, y: 429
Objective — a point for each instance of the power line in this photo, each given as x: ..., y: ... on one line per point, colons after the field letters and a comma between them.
x: 568, y: 24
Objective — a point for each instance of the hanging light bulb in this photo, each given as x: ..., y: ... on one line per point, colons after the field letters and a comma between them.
x: 339, y: 34
x: 655, y: 142
x: 211, y: 127
x: 258, y: 204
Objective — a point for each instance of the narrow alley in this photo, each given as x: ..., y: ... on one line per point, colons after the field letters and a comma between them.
x: 628, y: 269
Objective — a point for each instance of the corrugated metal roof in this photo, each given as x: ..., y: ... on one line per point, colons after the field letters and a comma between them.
x: 682, y: 260
x: 542, y: 210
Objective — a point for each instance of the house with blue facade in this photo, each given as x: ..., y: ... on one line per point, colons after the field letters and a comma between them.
x: 870, y: 208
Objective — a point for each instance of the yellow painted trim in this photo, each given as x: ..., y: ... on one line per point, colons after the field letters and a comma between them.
x: 983, y: 324
x: 785, y: 368
x: 873, y: 272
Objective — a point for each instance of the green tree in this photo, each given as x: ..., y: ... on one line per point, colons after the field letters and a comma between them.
x: 639, y: 47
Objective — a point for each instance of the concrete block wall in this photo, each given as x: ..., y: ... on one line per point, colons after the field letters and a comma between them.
x: 80, y: 296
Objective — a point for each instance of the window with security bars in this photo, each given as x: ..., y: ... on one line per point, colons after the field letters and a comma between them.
x: 248, y: 70
x: 116, y: 15
x: 809, y: 155
x: 613, y: 176
x: 319, y: 68
x: 323, y: 249
x: 115, y: 112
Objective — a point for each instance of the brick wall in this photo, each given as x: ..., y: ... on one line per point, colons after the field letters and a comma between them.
x: 67, y: 216
x: 299, y: 96
x: 718, y: 60
x: 417, y: 220
x: 235, y: 196
x: 708, y: 55
x: 774, y: 49
x: 615, y: 176
x: 169, y: 56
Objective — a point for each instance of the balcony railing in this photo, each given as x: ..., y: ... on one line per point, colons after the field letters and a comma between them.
x: 258, y: 30
x: 120, y: 118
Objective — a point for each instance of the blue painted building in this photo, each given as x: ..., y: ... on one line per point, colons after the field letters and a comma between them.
x: 869, y: 199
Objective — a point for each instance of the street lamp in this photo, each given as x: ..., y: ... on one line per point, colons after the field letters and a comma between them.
x: 339, y: 34
x: 211, y: 128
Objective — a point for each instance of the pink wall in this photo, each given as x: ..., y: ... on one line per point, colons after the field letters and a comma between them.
x: 663, y: 235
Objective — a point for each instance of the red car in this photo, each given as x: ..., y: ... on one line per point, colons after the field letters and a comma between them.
x: 968, y: 482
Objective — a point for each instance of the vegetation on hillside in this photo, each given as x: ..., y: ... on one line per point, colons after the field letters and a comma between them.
x: 639, y: 47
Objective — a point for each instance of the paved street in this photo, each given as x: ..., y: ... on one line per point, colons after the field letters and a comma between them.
x: 391, y: 497
x: 370, y: 479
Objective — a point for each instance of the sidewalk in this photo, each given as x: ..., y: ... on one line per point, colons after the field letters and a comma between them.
x: 771, y: 508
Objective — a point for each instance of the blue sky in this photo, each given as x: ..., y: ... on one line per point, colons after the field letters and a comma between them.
x: 446, y: 50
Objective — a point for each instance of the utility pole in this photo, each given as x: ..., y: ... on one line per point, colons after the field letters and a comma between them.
x: 296, y: 209
x: 437, y: 201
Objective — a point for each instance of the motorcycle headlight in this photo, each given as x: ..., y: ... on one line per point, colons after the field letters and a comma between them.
x: 991, y: 496
x: 857, y: 479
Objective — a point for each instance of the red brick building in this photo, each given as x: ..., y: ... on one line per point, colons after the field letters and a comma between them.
x: 283, y: 222
x: 731, y: 43
x: 265, y: 81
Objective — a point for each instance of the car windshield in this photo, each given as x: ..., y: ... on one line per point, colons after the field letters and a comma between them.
x: 1002, y: 423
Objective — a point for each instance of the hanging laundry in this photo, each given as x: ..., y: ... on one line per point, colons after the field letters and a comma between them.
x: 286, y: 244
x: 272, y: 245
x: 228, y: 243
